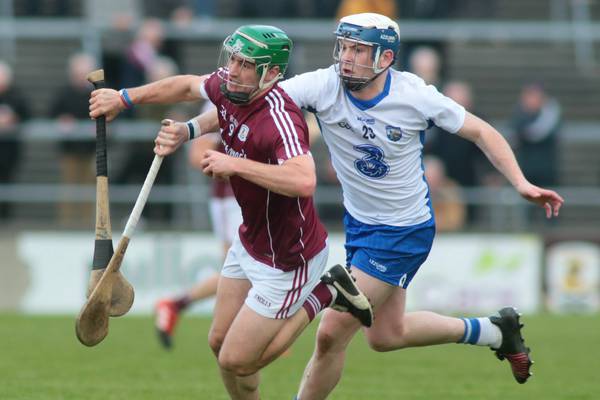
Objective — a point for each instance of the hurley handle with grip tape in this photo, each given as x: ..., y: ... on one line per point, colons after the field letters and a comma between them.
x: 92, y: 323
x: 103, y: 246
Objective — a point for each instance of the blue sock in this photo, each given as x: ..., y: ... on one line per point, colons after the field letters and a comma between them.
x: 472, y: 331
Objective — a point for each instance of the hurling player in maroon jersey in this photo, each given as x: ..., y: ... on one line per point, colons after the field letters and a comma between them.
x: 273, y: 280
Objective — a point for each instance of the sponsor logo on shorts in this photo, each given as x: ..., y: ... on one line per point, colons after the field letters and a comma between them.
x: 262, y: 300
x: 378, y: 266
x: 402, y: 280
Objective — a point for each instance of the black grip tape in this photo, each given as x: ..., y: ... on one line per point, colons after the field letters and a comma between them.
x: 101, y: 159
x: 103, y: 252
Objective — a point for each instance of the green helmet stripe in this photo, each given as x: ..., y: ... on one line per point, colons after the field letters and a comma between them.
x: 250, y: 38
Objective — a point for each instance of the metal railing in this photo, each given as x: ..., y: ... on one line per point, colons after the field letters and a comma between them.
x: 496, y: 209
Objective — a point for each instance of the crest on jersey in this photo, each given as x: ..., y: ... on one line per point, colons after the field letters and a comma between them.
x: 243, y: 132
x: 394, y: 133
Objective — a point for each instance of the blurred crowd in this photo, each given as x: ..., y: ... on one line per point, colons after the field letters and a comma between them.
x: 182, y: 10
x: 452, y: 164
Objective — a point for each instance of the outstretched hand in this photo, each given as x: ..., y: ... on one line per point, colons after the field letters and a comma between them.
x: 105, y: 102
x: 549, y: 199
x: 171, y: 136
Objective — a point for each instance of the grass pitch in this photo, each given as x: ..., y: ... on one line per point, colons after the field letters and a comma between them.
x: 40, y: 358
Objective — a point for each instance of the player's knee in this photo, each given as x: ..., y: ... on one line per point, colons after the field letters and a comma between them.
x: 386, y: 341
x: 380, y: 345
x: 327, y: 339
x: 215, y: 341
x: 234, y: 364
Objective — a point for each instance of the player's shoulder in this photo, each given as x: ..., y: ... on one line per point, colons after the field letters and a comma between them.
x: 280, y: 99
x: 414, y: 88
x: 211, y: 86
x: 318, y: 78
x: 281, y: 107
x: 408, y: 80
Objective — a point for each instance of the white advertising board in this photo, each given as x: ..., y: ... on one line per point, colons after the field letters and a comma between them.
x: 478, y: 274
x: 573, y: 277
x: 464, y: 273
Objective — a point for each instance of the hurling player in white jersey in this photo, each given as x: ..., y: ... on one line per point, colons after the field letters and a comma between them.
x: 373, y: 119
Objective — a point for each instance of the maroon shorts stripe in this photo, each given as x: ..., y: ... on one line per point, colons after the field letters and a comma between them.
x: 279, y: 314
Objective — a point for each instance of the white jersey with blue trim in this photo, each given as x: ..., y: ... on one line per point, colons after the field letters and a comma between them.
x: 376, y: 145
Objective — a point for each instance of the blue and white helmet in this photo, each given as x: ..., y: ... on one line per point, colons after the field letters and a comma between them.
x: 374, y: 30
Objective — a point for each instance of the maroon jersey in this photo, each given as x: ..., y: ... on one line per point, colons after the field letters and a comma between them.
x: 280, y: 231
x: 221, y: 188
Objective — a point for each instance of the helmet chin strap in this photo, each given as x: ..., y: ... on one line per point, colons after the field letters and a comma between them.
x: 355, y: 84
x: 241, y: 98
x: 237, y: 98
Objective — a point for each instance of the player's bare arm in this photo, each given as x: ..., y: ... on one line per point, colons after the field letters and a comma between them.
x: 295, y: 177
x: 498, y: 151
x: 199, y: 146
x: 165, y: 91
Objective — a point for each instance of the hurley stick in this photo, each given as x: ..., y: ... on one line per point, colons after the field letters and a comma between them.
x: 123, y: 294
x: 92, y: 322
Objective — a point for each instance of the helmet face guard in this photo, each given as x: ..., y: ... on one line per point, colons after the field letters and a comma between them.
x: 242, y: 93
x: 376, y: 40
x: 256, y: 46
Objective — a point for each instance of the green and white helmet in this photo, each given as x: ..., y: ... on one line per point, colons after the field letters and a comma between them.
x: 264, y: 46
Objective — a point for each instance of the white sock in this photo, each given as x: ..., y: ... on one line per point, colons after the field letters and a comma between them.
x: 490, y: 334
x: 481, y: 332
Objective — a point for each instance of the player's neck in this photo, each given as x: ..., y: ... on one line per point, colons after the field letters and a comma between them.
x: 373, y: 89
x: 259, y: 94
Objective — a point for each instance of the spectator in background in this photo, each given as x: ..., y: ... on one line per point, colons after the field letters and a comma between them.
x: 425, y: 10
x: 140, y: 154
x: 425, y: 62
x: 385, y: 7
x: 13, y: 111
x: 142, y: 53
x: 446, y: 196
x: 536, y: 123
x: 462, y: 159
x: 70, y: 106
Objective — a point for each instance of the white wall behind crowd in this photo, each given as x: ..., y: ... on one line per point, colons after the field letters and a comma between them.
x: 464, y: 273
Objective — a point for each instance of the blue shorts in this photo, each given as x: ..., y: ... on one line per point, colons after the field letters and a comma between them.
x: 391, y: 254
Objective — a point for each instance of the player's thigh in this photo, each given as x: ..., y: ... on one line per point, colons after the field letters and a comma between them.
x: 248, y: 337
x: 231, y: 294
x: 376, y: 290
x: 337, y: 328
x: 389, y: 317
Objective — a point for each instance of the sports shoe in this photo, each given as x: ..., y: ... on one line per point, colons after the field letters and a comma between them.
x: 349, y: 298
x: 513, y: 345
x: 166, y: 319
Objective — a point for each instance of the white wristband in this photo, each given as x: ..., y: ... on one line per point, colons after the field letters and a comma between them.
x: 193, y: 128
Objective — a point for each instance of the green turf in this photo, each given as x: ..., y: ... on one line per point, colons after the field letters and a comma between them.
x: 40, y: 358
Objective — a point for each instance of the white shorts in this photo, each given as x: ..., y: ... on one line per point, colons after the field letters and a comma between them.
x: 274, y: 293
x: 226, y: 217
